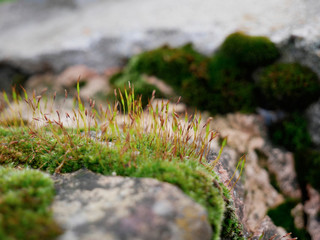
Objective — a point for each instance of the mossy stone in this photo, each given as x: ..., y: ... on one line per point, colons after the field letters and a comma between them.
x: 190, y: 176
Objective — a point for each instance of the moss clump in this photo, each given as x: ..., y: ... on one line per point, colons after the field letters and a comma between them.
x: 24, y: 210
x: 250, y: 51
x: 292, y: 133
x: 231, y: 88
x: 281, y: 216
x: 230, y: 72
x: 172, y: 65
x: 289, y: 86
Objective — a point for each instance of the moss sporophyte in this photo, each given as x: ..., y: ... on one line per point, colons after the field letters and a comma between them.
x: 122, y: 138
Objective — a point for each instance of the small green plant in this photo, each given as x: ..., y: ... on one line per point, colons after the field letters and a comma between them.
x: 288, y: 86
x: 250, y: 51
x: 126, y: 139
x: 25, y: 197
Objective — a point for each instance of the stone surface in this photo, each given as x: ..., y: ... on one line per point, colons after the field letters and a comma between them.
x: 253, y: 193
x: 312, y: 209
x: 93, y: 207
x: 54, y: 34
x: 69, y: 77
x: 281, y: 163
x: 269, y: 231
x: 313, y: 114
x: 10, y: 75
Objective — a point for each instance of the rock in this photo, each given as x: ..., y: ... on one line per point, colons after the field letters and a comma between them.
x: 10, y: 76
x: 297, y: 213
x: 161, y: 85
x: 69, y: 77
x: 300, y: 48
x: 64, y: 33
x: 268, y: 230
x: 39, y: 82
x: 281, y: 164
x: 253, y: 194
x: 240, y: 130
x: 312, y: 209
x: 260, y: 194
x: 313, y: 115
x: 94, y: 86
x: 92, y: 206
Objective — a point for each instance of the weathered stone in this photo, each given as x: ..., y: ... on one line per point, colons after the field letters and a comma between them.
x: 10, y: 76
x: 281, y: 164
x: 254, y: 195
x: 312, y: 208
x: 313, y: 114
x: 268, y: 231
x: 260, y: 194
x: 69, y: 77
x: 297, y: 213
x: 91, y: 206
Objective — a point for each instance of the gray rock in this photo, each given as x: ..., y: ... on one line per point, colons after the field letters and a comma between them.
x: 281, y: 164
x: 312, y: 209
x: 93, y: 207
x: 268, y: 231
x: 39, y: 34
x: 313, y: 115
x: 10, y: 75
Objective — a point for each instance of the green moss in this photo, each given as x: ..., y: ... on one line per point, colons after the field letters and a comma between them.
x: 250, y: 51
x: 194, y: 179
x: 289, y: 86
x: 231, y: 88
x: 24, y: 210
x: 281, y: 216
x: 172, y: 65
x: 292, y: 133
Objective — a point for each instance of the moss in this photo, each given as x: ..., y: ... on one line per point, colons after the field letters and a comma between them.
x: 281, y: 216
x: 292, y: 133
x: 25, y: 199
x: 194, y: 179
x: 172, y: 65
x: 289, y: 86
x: 231, y: 88
x: 250, y: 51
